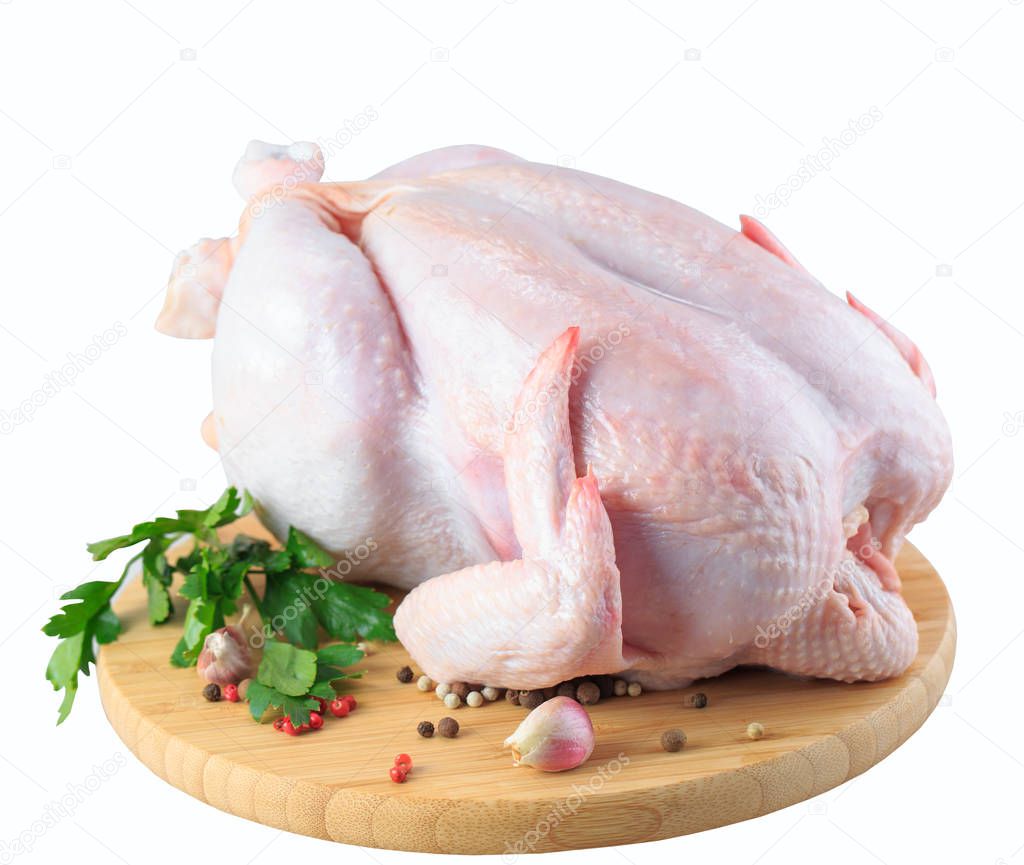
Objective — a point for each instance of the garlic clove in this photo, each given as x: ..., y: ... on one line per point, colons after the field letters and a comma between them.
x: 556, y: 736
x: 225, y: 657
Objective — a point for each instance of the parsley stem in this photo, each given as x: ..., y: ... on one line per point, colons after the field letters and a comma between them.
x: 254, y: 595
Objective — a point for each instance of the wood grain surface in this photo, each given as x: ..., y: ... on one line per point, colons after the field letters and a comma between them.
x: 465, y: 796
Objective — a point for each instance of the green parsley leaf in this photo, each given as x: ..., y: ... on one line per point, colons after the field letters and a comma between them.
x: 305, y: 552
x: 228, y: 508
x: 261, y: 697
x: 288, y: 606
x: 349, y: 613
x: 287, y: 668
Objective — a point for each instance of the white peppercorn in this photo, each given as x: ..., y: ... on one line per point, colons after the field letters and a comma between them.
x: 442, y: 690
x: 474, y: 699
x: 620, y: 687
x: 634, y: 689
x: 452, y: 701
x: 490, y: 694
x: 425, y: 683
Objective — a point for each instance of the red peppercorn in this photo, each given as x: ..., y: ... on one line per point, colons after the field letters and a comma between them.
x: 230, y: 693
x: 339, y: 708
x: 352, y: 705
x: 397, y: 775
x: 316, y: 720
x: 289, y: 727
x: 404, y: 762
x: 278, y: 722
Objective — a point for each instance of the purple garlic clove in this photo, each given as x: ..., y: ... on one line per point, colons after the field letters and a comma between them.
x: 225, y: 657
x: 556, y: 736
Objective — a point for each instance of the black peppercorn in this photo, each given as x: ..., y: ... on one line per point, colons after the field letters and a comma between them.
x: 212, y: 692
x: 448, y: 727
x: 405, y: 675
x: 699, y: 700
x: 425, y: 729
x: 606, y: 685
x: 512, y: 696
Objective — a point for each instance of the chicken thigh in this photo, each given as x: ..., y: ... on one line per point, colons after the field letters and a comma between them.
x: 594, y: 430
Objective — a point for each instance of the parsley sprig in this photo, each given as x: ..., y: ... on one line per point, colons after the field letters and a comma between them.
x: 295, y: 604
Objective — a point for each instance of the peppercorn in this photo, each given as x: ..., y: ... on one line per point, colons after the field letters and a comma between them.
x: 474, y: 699
x: 566, y: 689
x: 531, y: 699
x: 404, y: 675
x: 448, y: 727
x: 212, y: 692
x: 425, y: 729
x: 620, y: 687
x: 452, y: 701
x: 634, y: 689
x: 442, y: 690
x: 460, y: 690
x: 490, y: 694
x: 699, y: 700
x: 512, y: 696
x: 606, y: 684
x: 755, y: 730
x: 230, y: 693
x: 425, y: 683
x: 243, y: 688
x: 588, y: 693
x: 673, y: 740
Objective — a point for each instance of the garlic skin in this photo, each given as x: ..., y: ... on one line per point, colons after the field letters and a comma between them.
x: 556, y: 736
x: 225, y: 657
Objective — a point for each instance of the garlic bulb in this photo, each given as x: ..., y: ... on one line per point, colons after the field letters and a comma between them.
x: 225, y: 657
x: 555, y: 736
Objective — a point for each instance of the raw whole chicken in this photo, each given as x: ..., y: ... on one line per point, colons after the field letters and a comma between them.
x: 598, y: 431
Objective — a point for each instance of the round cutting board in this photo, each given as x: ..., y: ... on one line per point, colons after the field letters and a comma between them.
x: 465, y: 796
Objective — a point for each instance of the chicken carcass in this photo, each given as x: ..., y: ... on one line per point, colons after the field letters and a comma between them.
x: 598, y: 431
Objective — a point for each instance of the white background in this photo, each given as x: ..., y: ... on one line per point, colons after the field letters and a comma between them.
x: 119, y: 127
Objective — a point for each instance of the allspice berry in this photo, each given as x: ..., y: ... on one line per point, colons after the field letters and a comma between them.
x: 425, y: 729
x: 566, y: 689
x: 212, y: 692
x: 699, y: 700
x: 461, y: 689
x: 531, y: 699
x: 243, y: 688
x: 673, y: 740
x: 512, y: 696
x: 588, y: 693
x: 405, y: 675
x: 448, y: 727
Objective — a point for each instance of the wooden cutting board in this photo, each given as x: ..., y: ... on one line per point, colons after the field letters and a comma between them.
x: 465, y: 796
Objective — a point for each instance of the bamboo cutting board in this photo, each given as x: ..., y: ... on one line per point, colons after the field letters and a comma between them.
x: 464, y: 795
